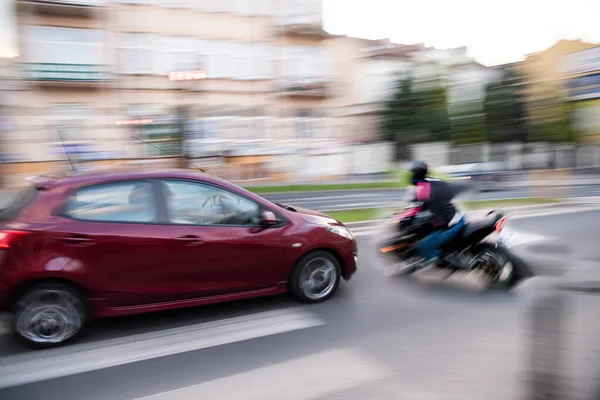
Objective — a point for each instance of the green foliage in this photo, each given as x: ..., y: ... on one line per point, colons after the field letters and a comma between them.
x: 468, y: 128
x: 552, y: 121
x: 415, y: 116
x: 505, y: 116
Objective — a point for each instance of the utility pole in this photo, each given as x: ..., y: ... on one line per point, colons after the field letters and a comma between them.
x: 182, y: 110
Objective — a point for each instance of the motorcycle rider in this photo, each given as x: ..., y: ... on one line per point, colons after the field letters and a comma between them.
x: 436, y: 196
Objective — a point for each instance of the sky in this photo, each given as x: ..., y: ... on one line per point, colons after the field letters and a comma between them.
x: 495, y: 32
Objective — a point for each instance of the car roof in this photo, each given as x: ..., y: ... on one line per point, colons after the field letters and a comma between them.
x: 87, y: 178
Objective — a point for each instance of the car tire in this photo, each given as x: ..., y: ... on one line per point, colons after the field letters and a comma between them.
x: 49, y: 314
x: 315, y: 277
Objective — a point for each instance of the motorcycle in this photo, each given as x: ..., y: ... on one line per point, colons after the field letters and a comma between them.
x: 467, y: 253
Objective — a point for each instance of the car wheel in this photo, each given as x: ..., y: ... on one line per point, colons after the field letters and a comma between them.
x: 48, y: 315
x: 316, y: 277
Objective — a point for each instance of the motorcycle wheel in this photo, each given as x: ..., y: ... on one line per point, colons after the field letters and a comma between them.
x: 493, y: 265
x: 406, y: 268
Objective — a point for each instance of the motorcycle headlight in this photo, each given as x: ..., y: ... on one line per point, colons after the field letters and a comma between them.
x: 341, y: 231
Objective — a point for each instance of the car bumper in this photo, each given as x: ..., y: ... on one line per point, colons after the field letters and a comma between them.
x: 350, y: 257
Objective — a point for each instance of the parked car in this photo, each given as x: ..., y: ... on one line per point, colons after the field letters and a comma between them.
x: 486, y: 176
x: 89, y: 245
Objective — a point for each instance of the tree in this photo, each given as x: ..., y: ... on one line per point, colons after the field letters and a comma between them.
x: 505, y: 115
x: 399, y: 117
x: 551, y: 119
x: 432, y: 105
x: 468, y: 125
x: 414, y: 116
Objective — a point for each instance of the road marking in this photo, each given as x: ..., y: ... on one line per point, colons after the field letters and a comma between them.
x: 306, y: 378
x: 542, y: 213
x: 69, y: 360
x: 5, y: 325
x: 368, y: 232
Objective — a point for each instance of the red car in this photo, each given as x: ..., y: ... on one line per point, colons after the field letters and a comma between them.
x: 81, y: 246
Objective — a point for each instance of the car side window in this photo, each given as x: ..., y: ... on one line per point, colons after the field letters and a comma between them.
x: 113, y: 202
x: 194, y: 203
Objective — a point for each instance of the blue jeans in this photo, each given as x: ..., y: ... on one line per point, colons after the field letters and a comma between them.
x: 431, y: 246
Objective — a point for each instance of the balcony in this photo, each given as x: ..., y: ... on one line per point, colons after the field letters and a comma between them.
x: 65, y: 7
x: 321, y: 88
x: 302, y: 26
x: 67, y: 74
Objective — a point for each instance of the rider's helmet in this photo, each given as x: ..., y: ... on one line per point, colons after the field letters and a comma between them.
x: 418, y: 171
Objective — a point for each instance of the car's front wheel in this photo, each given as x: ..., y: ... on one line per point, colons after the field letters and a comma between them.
x: 49, y: 314
x: 316, y: 277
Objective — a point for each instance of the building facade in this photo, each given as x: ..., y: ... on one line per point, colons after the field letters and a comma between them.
x: 542, y: 90
x: 251, y: 88
x: 581, y: 85
x: 96, y: 77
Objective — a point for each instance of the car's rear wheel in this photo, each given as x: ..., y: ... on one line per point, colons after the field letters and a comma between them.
x: 316, y: 277
x: 49, y: 314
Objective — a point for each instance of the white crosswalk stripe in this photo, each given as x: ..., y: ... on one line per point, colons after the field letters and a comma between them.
x: 5, y: 325
x: 69, y: 360
x: 304, y: 378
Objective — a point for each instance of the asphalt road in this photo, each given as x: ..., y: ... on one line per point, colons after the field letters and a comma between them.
x: 381, y: 337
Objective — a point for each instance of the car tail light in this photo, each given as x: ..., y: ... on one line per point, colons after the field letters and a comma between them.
x: 7, y: 238
x: 500, y: 224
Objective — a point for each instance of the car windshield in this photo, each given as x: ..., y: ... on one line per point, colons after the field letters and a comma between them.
x: 13, y: 207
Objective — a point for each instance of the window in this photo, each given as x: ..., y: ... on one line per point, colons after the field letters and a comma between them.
x: 14, y: 206
x: 139, y: 54
x: 114, y: 202
x: 251, y: 7
x: 182, y: 54
x: 303, y: 64
x: 217, y: 56
x: 250, y: 60
x: 292, y: 12
x: 193, y: 203
x: 48, y: 44
x: 70, y: 119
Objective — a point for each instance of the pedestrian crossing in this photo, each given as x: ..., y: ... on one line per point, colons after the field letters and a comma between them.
x: 347, y: 371
x: 303, y: 378
x: 5, y: 325
x: 307, y: 376
x: 68, y: 360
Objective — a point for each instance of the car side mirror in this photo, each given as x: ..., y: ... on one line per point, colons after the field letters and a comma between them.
x: 268, y: 218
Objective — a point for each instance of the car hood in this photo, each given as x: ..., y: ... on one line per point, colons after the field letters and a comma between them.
x: 314, y: 217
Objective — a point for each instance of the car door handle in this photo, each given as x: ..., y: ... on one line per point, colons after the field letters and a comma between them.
x: 189, y: 239
x: 77, y: 239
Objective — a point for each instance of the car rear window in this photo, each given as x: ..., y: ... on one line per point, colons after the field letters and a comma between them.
x: 17, y: 203
x: 113, y: 202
